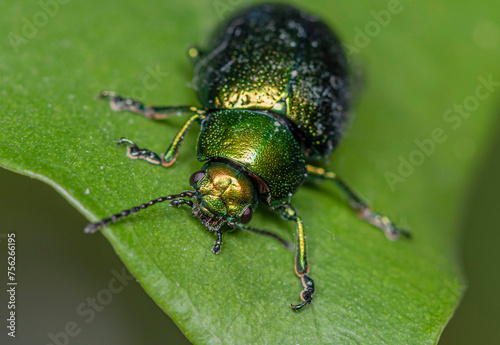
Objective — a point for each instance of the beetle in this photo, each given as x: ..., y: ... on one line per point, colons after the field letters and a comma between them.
x: 275, y: 94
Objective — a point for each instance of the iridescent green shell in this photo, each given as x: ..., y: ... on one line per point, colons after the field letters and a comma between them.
x: 260, y: 143
x: 277, y: 58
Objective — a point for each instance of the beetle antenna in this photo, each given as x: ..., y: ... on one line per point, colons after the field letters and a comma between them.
x: 94, y: 227
x: 263, y: 232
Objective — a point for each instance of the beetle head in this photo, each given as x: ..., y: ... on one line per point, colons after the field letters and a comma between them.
x: 224, y: 194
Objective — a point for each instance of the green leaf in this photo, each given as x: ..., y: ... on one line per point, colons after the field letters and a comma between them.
x: 369, y: 290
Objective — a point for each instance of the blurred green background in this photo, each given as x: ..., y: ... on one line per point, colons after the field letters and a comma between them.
x: 55, y: 261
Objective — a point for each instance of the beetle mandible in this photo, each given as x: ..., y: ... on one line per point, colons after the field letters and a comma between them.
x: 275, y: 94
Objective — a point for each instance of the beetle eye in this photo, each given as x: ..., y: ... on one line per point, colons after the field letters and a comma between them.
x: 247, y: 215
x: 197, y: 176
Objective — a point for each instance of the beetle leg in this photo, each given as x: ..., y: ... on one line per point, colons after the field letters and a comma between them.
x: 173, y: 150
x: 119, y: 103
x: 301, y: 265
x: 364, y: 211
x: 262, y: 232
x: 168, y: 158
x: 218, y: 242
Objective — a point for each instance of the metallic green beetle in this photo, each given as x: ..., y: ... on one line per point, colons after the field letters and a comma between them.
x: 274, y: 88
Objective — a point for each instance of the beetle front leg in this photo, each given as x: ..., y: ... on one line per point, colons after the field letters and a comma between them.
x: 218, y: 242
x: 301, y: 264
x: 169, y: 157
x: 364, y: 211
x: 119, y: 103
